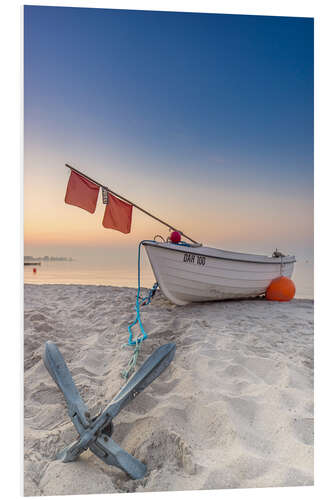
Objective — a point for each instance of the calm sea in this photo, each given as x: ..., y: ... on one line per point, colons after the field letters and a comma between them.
x: 94, y: 273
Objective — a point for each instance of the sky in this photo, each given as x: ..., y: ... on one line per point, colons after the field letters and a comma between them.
x: 206, y: 120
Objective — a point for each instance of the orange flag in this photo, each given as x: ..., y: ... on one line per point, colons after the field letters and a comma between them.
x: 117, y: 215
x: 81, y: 192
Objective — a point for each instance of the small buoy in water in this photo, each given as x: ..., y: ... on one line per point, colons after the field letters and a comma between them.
x: 34, y: 270
x: 281, y: 289
x: 175, y: 237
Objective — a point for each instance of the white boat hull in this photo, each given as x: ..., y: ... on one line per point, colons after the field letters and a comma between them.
x: 198, y: 274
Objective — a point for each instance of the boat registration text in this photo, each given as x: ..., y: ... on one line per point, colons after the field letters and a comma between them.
x: 192, y: 259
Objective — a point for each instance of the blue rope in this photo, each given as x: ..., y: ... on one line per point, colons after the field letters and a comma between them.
x: 139, y: 303
x: 143, y: 301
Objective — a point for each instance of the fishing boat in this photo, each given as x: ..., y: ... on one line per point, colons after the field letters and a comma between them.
x: 186, y: 272
x: 194, y: 273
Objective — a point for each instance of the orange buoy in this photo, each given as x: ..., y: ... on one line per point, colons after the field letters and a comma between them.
x: 281, y: 289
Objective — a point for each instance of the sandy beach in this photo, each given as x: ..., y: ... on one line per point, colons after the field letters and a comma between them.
x: 233, y: 410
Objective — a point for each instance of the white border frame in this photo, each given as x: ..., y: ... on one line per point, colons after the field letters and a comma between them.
x: 12, y: 239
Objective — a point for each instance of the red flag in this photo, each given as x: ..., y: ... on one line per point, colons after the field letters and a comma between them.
x: 117, y: 215
x: 81, y: 192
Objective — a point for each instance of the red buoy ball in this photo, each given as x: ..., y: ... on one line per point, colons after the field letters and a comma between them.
x: 175, y: 237
x: 281, y: 289
x: 34, y: 270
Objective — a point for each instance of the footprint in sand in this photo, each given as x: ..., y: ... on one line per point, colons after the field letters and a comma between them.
x: 238, y: 473
x: 37, y: 317
x: 46, y: 394
x: 303, y: 430
x: 92, y: 479
x: 143, y: 404
x: 165, y: 387
x: 43, y: 327
x: 166, y: 447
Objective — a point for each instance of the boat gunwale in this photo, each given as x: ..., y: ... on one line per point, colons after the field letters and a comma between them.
x: 287, y: 259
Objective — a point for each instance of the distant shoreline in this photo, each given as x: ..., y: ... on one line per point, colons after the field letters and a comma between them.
x: 29, y: 258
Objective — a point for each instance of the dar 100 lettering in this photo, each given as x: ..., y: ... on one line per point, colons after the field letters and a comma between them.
x: 192, y: 258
